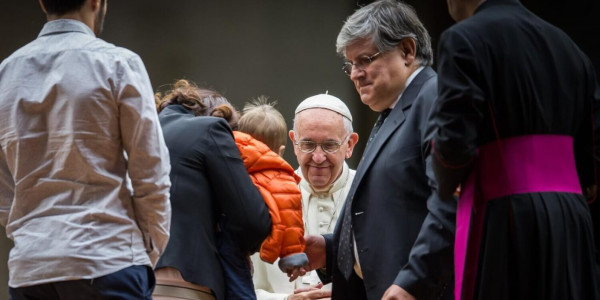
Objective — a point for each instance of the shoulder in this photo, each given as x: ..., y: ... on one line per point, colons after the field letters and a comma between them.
x: 458, y: 35
x: 199, y: 126
x: 214, y: 126
x: 101, y: 46
x: 426, y: 82
x: 255, y: 154
x: 248, y: 143
x: 113, y: 56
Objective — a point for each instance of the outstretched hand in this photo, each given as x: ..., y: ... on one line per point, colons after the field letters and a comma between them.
x: 312, y: 292
x: 315, y: 250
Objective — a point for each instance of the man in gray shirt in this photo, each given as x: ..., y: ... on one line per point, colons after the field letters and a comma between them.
x: 77, y: 121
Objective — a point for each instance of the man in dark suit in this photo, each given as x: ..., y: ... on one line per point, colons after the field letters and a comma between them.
x: 517, y: 124
x: 394, y: 238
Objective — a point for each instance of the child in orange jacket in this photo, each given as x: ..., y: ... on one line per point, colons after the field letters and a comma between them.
x: 261, y: 135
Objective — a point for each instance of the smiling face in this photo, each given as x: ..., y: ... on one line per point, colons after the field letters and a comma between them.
x: 379, y: 83
x: 318, y: 125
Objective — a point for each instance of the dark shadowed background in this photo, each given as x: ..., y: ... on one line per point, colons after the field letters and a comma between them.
x: 282, y: 49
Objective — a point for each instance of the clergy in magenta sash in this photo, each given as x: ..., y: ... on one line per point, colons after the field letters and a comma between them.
x: 515, y: 129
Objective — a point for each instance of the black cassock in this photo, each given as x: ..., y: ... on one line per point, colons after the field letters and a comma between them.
x: 506, y: 73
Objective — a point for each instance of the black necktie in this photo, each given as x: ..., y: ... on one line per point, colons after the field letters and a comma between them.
x: 378, y: 124
x: 345, y: 257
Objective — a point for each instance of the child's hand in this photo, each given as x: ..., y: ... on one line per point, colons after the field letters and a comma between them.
x: 293, y: 262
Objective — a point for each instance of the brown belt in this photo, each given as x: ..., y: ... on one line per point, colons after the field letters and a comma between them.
x: 181, y: 292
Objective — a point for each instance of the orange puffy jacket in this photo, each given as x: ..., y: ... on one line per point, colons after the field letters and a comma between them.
x: 278, y: 184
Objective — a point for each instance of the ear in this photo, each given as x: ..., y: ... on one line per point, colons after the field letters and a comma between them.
x: 408, y: 50
x: 292, y: 135
x: 352, y: 140
x: 281, y: 150
x: 95, y: 5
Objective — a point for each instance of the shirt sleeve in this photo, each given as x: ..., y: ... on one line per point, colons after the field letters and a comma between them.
x: 148, y: 157
x: 7, y: 187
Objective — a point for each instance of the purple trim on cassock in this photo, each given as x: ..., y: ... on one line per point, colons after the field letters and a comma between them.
x: 516, y: 165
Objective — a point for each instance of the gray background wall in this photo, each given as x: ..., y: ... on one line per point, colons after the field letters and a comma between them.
x: 284, y: 49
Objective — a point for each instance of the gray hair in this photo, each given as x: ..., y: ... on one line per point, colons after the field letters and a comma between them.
x: 347, y: 124
x: 386, y: 23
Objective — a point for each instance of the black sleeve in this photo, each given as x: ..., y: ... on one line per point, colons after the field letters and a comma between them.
x: 429, y: 271
x: 430, y: 268
x: 246, y: 215
x: 587, y: 150
x: 326, y: 274
x: 458, y: 113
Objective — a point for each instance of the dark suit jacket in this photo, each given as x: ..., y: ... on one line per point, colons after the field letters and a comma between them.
x: 209, y: 181
x: 505, y: 72
x: 403, y: 233
x: 530, y: 74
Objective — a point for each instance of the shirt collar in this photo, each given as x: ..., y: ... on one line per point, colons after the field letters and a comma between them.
x: 408, y: 81
x: 65, y: 25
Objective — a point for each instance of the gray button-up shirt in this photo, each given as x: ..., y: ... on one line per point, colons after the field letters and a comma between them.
x: 77, y: 120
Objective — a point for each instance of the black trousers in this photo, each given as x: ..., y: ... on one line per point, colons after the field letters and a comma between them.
x: 135, y: 282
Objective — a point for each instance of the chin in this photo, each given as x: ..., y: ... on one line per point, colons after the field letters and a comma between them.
x: 318, y: 183
x: 367, y: 100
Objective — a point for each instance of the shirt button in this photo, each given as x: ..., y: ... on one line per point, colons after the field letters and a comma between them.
x: 320, y: 208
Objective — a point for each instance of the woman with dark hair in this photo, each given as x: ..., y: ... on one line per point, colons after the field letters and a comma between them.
x: 211, y: 193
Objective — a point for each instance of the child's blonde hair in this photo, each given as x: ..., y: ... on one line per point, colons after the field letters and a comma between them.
x: 264, y: 122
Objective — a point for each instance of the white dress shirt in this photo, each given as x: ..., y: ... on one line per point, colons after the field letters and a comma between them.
x: 320, y: 211
x: 77, y: 117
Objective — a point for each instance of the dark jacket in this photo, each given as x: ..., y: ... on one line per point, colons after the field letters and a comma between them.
x: 505, y: 73
x: 403, y: 232
x: 209, y: 181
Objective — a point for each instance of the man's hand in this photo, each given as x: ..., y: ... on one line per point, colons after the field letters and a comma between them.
x: 313, y: 292
x: 395, y: 292
x: 315, y: 287
x: 315, y: 250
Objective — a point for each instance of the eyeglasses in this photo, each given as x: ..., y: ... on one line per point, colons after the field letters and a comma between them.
x: 327, y: 146
x: 361, y: 63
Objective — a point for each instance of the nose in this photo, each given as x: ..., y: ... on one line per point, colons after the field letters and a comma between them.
x: 318, y: 156
x: 356, y: 72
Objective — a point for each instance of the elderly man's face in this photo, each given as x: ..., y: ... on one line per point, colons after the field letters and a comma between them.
x: 319, y: 125
x: 380, y: 82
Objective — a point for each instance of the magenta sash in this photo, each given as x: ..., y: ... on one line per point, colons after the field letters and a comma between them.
x: 516, y: 165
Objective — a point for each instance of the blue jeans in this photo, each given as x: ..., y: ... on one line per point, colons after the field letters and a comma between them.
x: 135, y: 282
